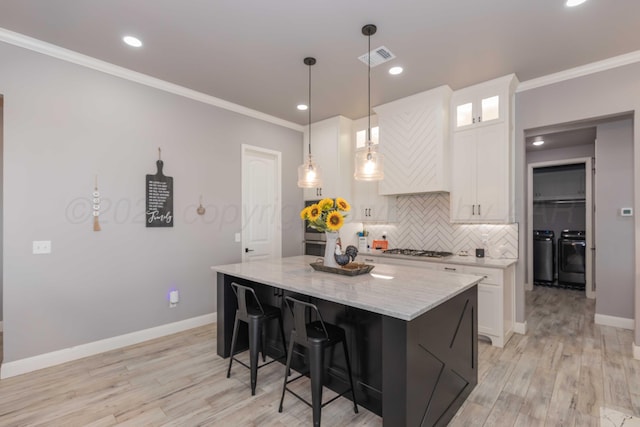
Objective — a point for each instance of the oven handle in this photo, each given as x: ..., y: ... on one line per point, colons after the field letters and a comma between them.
x: 315, y: 242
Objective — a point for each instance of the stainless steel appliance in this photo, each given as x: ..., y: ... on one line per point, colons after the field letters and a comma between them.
x: 571, y: 258
x: 417, y: 253
x: 314, y: 241
x: 544, y: 260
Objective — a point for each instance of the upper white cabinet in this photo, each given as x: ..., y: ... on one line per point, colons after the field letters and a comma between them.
x: 559, y: 183
x: 369, y: 206
x: 481, y: 187
x: 482, y: 104
x: 414, y: 138
x: 331, y: 148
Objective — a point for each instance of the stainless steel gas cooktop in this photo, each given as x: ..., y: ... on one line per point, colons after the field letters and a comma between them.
x: 417, y: 253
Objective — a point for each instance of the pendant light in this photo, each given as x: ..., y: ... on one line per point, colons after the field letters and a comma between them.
x: 308, y: 172
x: 369, y: 163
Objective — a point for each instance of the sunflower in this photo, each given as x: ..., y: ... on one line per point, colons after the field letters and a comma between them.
x: 334, y: 221
x: 325, y: 204
x: 342, y: 204
x: 313, y: 212
x: 304, y: 213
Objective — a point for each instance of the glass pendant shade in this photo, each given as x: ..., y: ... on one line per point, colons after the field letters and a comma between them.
x: 309, y: 175
x: 369, y: 165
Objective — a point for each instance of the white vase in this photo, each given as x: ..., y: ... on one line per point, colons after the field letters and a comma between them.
x: 330, y: 249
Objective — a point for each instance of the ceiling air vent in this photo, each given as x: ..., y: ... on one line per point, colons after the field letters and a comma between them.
x: 378, y: 56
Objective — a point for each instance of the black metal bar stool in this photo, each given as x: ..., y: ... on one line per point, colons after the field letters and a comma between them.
x: 315, y: 336
x: 254, y: 314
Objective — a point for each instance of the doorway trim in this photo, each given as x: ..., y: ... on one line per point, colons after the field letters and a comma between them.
x: 590, y: 248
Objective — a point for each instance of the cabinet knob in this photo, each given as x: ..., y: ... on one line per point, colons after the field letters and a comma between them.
x: 479, y: 210
x: 479, y: 119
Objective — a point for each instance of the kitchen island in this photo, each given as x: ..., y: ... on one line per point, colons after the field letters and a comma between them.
x: 412, y: 334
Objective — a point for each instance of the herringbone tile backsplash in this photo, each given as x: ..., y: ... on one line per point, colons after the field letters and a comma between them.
x: 423, y: 223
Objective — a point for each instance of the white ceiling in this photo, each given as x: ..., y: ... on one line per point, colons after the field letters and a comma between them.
x: 250, y: 52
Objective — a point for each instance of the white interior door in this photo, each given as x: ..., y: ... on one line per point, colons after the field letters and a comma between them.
x: 261, y: 204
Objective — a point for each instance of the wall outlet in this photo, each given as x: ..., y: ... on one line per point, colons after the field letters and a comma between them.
x: 41, y: 247
x: 238, y: 238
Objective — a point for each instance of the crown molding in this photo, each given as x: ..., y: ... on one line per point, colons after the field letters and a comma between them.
x: 584, y: 70
x: 58, y: 52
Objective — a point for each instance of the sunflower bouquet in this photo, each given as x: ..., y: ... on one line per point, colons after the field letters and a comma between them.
x: 326, y: 215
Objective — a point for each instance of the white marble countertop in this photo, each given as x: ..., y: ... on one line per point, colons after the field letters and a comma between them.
x: 453, y: 259
x: 397, y: 291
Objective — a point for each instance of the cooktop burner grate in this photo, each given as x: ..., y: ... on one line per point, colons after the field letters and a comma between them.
x: 417, y: 252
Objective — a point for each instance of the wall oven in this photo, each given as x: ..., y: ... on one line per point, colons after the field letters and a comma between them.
x: 314, y: 241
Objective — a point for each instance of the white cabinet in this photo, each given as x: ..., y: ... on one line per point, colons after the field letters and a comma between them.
x: 414, y: 139
x: 481, y: 187
x: 369, y: 206
x: 496, y: 294
x: 559, y: 183
x: 481, y: 104
x: 332, y: 150
x: 480, y: 183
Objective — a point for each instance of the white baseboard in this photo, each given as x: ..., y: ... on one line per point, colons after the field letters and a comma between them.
x: 520, y: 327
x: 22, y: 366
x: 636, y: 351
x: 616, y: 322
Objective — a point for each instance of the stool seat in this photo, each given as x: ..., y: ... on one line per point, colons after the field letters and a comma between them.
x: 329, y: 335
x: 254, y: 314
x: 315, y: 336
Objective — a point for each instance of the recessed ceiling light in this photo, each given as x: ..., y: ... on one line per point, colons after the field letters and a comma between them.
x: 132, y: 41
x: 572, y: 3
x: 395, y: 70
x: 538, y: 142
x: 302, y: 107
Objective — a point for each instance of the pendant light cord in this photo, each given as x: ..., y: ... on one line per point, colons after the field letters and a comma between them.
x: 310, y: 111
x: 369, y: 142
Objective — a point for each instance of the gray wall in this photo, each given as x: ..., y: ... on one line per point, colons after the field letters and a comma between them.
x: 1, y: 196
x: 65, y: 123
x: 597, y: 95
x: 614, y: 233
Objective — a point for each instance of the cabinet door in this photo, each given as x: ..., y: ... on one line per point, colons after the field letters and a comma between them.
x: 463, y: 180
x: 481, y: 104
x: 324, y: 140
x: 492, y: 174
x: 489, y: 309
x: 368, y: 205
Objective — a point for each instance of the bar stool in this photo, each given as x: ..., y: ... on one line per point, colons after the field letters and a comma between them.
x: 254, y: 314
x: 315, y: 337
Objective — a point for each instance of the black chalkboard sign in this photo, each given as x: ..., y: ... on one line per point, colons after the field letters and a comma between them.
x: 159, y: 190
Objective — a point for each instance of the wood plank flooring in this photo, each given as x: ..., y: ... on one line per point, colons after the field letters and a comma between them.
x: 559, y: 374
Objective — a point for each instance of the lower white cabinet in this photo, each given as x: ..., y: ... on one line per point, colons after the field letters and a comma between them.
x: 496, y: 294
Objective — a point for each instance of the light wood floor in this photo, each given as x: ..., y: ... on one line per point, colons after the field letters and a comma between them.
x: 559, y: 374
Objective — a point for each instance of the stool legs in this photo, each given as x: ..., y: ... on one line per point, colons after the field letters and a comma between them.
x: 233, y: 345
x: 316, y: 372
x: 254, y: 347
x: 287, y: 372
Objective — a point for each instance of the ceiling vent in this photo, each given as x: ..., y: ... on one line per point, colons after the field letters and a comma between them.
x: 378, y: 56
